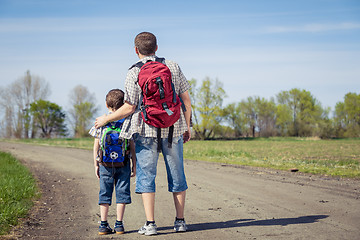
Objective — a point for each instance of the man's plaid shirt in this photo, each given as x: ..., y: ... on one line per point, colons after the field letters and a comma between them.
x: 134, y: 123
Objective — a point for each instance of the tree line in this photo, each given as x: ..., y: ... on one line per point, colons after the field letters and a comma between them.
x: 27, y: 114
x: 295, y: 113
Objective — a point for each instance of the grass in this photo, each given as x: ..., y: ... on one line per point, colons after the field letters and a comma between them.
x: 336, y: 157
x: 328, y: 157
x: 17, y: 191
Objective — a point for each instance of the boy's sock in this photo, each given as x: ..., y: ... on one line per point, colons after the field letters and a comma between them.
x: 104, y: 223
x: 148, y: 222
x: 179, y: 219
x: 118, y: 222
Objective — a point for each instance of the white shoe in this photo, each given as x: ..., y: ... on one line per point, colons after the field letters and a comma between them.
x: 180, y: 226
x: 148, y: 230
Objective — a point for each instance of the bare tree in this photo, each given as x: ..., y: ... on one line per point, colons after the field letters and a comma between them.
x: 16, y: 99
x: 83, y: 109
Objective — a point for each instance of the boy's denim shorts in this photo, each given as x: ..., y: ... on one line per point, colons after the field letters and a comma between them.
x: 115, y: 178
x: 146, y: 164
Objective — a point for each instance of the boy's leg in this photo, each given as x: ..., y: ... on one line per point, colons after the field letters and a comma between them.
x: 119, y: 226
x: 120, y: 209
x: 104, y: 211
x: 104, y: 227
x: 122, y: 190
x: 105, y: 195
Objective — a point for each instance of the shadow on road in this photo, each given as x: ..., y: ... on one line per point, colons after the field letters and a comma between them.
x: 250, y: 222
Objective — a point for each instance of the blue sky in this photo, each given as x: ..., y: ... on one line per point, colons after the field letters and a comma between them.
x: 255, y: 48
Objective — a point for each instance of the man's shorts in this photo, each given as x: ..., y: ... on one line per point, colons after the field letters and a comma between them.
x: 115, y: 178
x: 146, y: 164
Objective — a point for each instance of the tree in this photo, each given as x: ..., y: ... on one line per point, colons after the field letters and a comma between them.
x: 250, y: 115
x: 347, y: 116
x: 232, y: 114
x: 83, y: 110
x: 258, y: 116
x: 306, y: 112
x: 49, y: 117
x: 16, y: 99
x: 266, y: 117
x: 208, y: 99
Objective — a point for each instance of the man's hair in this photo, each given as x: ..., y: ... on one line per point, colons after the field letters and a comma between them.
x: 146, y: 43
x: 115, y: 99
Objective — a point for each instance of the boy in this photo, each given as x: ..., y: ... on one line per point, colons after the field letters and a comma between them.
x: 111, y: 176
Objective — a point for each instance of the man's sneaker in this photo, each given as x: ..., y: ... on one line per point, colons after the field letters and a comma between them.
x: 148, y: 229
x: 180, y: 226
x: 119, y: 228
x: 104, y: 229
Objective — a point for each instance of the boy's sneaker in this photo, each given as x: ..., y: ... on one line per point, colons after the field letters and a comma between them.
x: 180, y: 226
x: 119, y: 228
x: 148, y: 230
x: 104, y: 229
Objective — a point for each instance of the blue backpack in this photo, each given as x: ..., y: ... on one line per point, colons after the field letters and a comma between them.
x: 114, y: 149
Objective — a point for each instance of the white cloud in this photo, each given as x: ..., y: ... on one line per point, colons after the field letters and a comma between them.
x: 12, y: 25
x: 314, y: 27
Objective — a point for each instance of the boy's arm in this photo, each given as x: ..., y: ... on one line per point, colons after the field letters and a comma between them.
x: 95, y: 155
x: 187, y: 102
x: 124, y: 111
x: 133, y: 158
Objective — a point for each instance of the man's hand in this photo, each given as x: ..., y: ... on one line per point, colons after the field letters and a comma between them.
x: 133, y: 171
x: 187, y: 136
x: 100, y: 121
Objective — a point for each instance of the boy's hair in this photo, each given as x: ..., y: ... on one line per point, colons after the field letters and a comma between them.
x: 146, y: 43
x: 115, y: 99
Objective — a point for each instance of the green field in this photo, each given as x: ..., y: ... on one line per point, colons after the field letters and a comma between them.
x: 339, y: 157
x: 17, y: 191
x: 328, y: 157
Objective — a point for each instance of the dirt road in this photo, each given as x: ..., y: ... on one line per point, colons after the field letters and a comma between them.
x: 223, y: 202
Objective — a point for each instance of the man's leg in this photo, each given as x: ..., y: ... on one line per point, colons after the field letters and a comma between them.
x: 147, y: 157
x: 174, y: 163
x: 179, y: 201
x: 149, y: 205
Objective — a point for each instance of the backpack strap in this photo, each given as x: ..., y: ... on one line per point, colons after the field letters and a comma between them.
x: 170, y: 138
x: 138, y: 65
x: 116, y: 124
x: 161, y: 87
x: 159, y: 139
x: 160, y: 60
x: 166, y: 108
x: 182, y: 104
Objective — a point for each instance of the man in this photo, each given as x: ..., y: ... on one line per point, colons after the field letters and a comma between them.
x: 146, y: 141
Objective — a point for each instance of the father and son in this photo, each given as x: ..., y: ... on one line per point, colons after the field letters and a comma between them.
x: 150, y: 116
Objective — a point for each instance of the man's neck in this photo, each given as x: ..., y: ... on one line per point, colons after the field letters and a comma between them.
x: 144, y: 56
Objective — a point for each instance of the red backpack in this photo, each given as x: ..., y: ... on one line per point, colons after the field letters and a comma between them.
x: 160, y: 105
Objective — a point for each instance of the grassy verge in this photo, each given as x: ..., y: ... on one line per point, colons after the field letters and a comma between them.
x: 329, y: 157
x: 17, y: 191
x: 339, y: 157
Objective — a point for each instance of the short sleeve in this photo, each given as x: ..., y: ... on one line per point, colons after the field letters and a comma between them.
x: 95, y: 132
x: 132, y: 89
